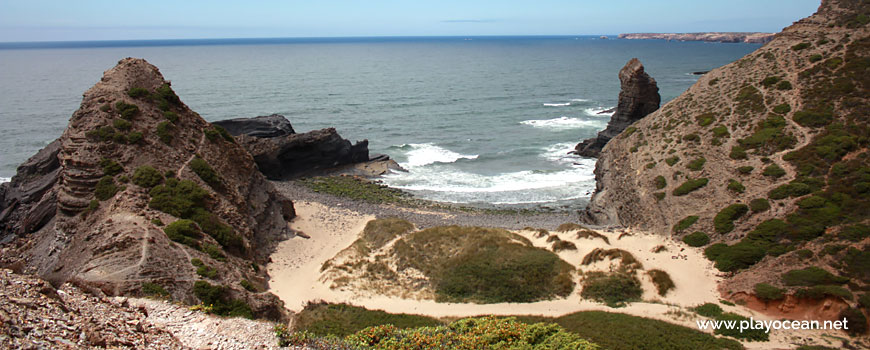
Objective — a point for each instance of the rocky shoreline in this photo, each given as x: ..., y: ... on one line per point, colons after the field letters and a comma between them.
x: 718, y: 37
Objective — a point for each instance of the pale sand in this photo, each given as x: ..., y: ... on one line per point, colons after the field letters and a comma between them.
x: 296, y: 276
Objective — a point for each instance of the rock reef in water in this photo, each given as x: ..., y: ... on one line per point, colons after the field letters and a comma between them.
x: 638, y: 97
x: 282, y: 154
x: 719, y: 37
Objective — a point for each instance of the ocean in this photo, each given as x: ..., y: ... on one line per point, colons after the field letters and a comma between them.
x: 474, y: 120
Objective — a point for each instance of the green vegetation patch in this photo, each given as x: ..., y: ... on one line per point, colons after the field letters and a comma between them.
x: 134, y: 137
x: 127, y: 111
x: 137, y: 92
x: 709, y: 310
x: 759, y: 205
x: 110, y: 167
x: 217, y: 300
x: 685, y: 223
x: 737, y: 152
x: 720, y: 131
x: 343, y: 320
x: 379, y: 232
x: 185, y: 232
x: 769, y: 136
x: 770, y: 81
x: 855, y: 233
x: 801, y: 46
x: 696, y: 239
x: 164, y: 132
x: 768, y: 292
x: 774, y: 171
x: 813, y: 118
x: 706, y: 119
x: 689, y: 186
x: 154, y: 290
x: 749, y: 99
x: 723, y: 222
x: 660, y: 182
x: 696, y: 164
x: 782, y: 108
x: 106, y: 188
x: 672, y: 160
x: 468, y: 264
x: 735, y: 186
x: 355, y: 188
x: 812, y: 276
x: 146, y: 176
x: 570, y: 226
x: 612, y: 288
x: 746, y: 169
x: 824, y: 291
x: 662, y: 280
x: 205, y: 172
x: 122, y: 124
x: 185, y: 199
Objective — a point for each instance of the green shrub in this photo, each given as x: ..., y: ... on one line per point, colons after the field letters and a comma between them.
x: 157, y: 222
x: 784, y: 85
x: 185, y: 232
x: 736, y: 186
x: 708, y: 310
x: 662, y: 281
x: 106, y: 188
x: 122, y: 124
x: 154, y: 289
x: 343, y: 320
x: 171, y: 116
x: 685, y: 223
x: 221, y: 232
x: 248, y: 286
x: 697, y: 239
x: 659, y: 195
x: 691, y: 137
x: 812, y: 202
x: 724, y: 220
x: 824, y: 291
x: 127, y: 111
x: 749, y: 335
x: 696, y: 164
x: 773, y: 170
x: 855, y: 319
x: 178, y: 198
x: 789, y: 190
x: 815, y: 58
x: 224, y: 133
x: 735, y: 257
x: 660, y: 182
x: 212, y: 134
x: 782, y: 108
x: 672, y: 160
x: 206, y: 271
x: 134, y: 137
x: 801, y: 46
x: 689, y: 186
x: 197, y: 262
x: 146, y: 176
x: 759, y: 204
x: 811, y: 276
x: 93, y: 205
x: 570, y: 226
x: 804, y: 253
x: 855, y: 233
x: 770, y: 81
x: 864, y: 300
x: 221, y: 304
x: 614, y: 289
x: 737, y: 152
x: 104, y: 133
x: 563, y: 245
x: 205, y: 172
x: 768, y: 292
x: 720, y: 131
x: 706, y: 119
x: 355, y: 188
x: 164, y: 132
x: 214, y: 252
x: 812, y: 118
x: 745, y: 169
x: 110, y: 167
x: 137, y: 92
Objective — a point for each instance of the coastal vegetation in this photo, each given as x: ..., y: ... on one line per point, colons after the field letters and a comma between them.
x: 696, y: 239
x: 690, y: 186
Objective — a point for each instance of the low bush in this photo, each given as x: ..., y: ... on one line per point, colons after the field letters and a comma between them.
x: 770, y: 81
x: 774, y: 171
x: 804, y: 253
x: 696, y: 164
x: 212, y: 135
x: 570, y: 226
x: 563, y: 245
x: 685, y: 223
x: 127, y: 111
x: 689, y: 186
x: 164, y: 132
x: 824, y: 291
x: 106, y: 188
x: 811, y: 276
x: 178, y: 198
x: 218, y: 301
x: 154, y: 290
x: 354, y: 188
x: 759, y: 205
x: 248, y: 286
x: 137, y: 92
x: 206, y: 271
x: 660, y: 182
x: 737, y: 152
x: 205, y: 172
x: 672, y: 160
x: 697, y: 239
x: 768, y: 292
x: 855, y: 233
x: 224, y: 133
x: 185, y: 232
x: 735, y: 186
x: 342, y: 320
x: 720, y: 131
x: 855, y: 319
x: 122, y: 124
x: 592, y: 235
x: 379, y: 232
x: 794, y: 189
x: 782, y: 108
x: 134, y: 137
x: 801, y: 46
x: 214, y: 252
x: 691, y: 137
x: 110, y: 167
x: 815, y: 58
x: 171, y: 116
x: 706, y: 119
x: 627, y: 261
x: 146, y: 176
x: 723, y: 222
x: 662, y: 281
x: 745, y: 169
x: 813, y: 118
x: 735, y: 257
x: 784, y: 85
x: 614, y: 288
x: 709, y: 310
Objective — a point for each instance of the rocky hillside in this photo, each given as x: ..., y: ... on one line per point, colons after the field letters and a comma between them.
x: 140, y: 195
x: 719, y: 37
x: 768, y: 158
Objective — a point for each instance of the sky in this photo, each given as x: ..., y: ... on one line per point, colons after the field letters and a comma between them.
x: 66, y: 20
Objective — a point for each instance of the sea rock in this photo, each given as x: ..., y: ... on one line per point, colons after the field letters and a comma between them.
x: 274, y: 125
x: 285, y: 155
x: 76, y: 210
x: 638, y: 97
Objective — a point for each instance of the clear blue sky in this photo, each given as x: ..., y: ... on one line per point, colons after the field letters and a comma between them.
x: 61, y: 20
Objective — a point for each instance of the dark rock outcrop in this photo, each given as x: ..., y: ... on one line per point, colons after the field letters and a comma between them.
x: 290, y: 155
x: 274, y: 125
x: 638, y: 97
x: 28, y: 201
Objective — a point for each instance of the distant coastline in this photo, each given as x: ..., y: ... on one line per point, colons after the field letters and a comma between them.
x: 721, y: 37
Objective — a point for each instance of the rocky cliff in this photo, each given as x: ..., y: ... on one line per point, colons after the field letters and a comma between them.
x: 719, y: 37
x: 638, y: 97
x: 283, y: 154
x: 140, y: 195
x: 767, y: 157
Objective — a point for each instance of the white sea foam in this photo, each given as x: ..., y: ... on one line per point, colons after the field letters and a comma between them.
x: 563, y: 122
x: 557, y: 104
x: 597, y: 111
x: 579, y: 100
x: 559, y: 153
x: 4, y: 179
x: 422, y: 154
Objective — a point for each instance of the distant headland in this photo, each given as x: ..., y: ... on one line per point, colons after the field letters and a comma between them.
x: 722, y: 37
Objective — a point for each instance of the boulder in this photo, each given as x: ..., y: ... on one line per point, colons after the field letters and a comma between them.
x: 639, y: 96
x: 274, y: 125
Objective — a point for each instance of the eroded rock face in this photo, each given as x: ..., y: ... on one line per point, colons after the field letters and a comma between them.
x: 77, y: 210
x: 285, y: 155
x: 638, y: 97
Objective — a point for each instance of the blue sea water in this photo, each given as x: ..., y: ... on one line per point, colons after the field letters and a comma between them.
x: 473, y: 120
